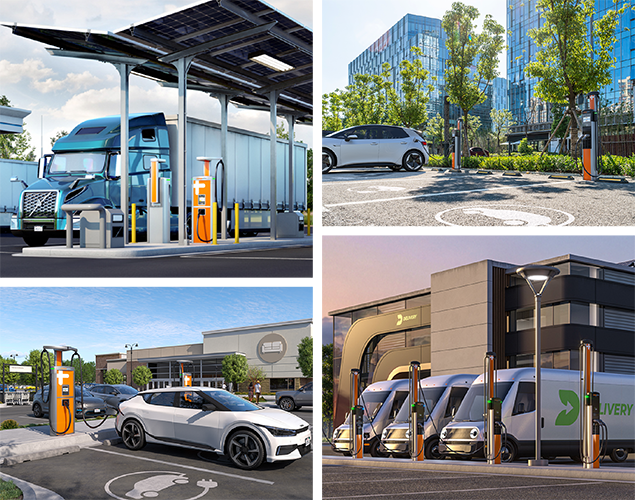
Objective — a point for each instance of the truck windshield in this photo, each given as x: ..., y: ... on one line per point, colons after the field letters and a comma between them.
x: 429, y: 395
x: 471, y: 409
x: 372, y: 401
x: 77, y: 163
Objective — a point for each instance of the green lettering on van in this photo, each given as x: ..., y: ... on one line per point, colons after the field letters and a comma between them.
x: 570, y: 414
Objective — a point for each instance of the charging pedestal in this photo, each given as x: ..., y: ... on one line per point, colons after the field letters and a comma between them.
x: 456, y: 155
x: 186, y: 377
x: 205, y: 202
x: 61, y: 394
x: 357, y: 417
x: 158, y: 204
x: 492, y: 412
x: 417, y: 414
x: 590, y: 412
x: 591, y: 133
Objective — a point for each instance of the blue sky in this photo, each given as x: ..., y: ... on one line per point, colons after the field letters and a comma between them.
x: 104, y: 320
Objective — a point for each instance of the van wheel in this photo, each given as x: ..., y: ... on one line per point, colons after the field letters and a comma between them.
x: 35, y: 240
x: 376, y: 449
x: 432, y: 449
x: 509, y: 453
x: 618, y: 455
x: 576, y: 458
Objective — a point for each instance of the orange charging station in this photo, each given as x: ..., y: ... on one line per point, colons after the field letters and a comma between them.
x: 493, y: 412
x: 417, y: 412
x: 591, y: 411
x: 357, y: 417
x: 590, y: 142
x: 61, y: 394
x: 205, y: 203
x: 186, y: 377
x: 456, y: 155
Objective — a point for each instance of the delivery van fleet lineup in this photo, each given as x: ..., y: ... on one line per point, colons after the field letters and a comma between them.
x: 454, y: 423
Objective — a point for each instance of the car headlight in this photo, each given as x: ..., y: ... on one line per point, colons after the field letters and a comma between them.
x: 278, y: 431
x: 474, y: 433
x: 444, y: 433
x: 384, y: 434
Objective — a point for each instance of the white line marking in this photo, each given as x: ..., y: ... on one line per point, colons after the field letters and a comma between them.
x: 200, y: 256
x: 183, y: 466
x: 443, y: 194
x: 572, y: 483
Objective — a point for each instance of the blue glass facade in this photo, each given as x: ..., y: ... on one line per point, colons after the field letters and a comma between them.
x: 521, y: 17
x: 394, y: 46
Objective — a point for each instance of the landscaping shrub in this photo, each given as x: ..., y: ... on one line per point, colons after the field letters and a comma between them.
x: 9, y: 424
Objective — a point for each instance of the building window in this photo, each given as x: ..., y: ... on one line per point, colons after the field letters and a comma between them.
x: 281, y: 384
x: 560, y: 360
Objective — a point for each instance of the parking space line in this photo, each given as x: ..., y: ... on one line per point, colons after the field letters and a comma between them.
x: 366, y: 480
x: 429, y: 195
x: 162, y: 462
x: 446, y: 491
x: 209, y: 255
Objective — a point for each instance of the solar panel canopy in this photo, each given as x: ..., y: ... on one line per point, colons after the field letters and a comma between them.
x: 222, y: 37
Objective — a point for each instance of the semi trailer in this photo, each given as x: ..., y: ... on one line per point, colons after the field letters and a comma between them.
x: 85, y: 169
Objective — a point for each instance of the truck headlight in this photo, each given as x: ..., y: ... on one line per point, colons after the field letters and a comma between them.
x: 474, y: 433
x: 408, y: 434
x: 384, y: 434
x: 444, y: 433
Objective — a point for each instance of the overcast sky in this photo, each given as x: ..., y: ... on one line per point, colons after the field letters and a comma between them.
x: 351, y: 26
x: 104, y: 320
x: 66, y: 91
x: 359, y: 269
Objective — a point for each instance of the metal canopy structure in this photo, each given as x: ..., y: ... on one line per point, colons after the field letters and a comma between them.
x: 213, y: 43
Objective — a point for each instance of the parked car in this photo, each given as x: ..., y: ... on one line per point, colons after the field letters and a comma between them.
x: 292, y: 400
x: 213, y: 420
x: 479, y: 152
x: 93, y: 407
x: 114, y: 394
x: 375, y: 145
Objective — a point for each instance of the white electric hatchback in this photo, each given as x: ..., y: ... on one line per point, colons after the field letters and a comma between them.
x: 375, y: 145
x: 213, y: 420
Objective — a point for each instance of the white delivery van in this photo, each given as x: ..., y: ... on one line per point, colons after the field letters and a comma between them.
x: 442, y: 396
x: 381, y: 402
x: 561, y: 413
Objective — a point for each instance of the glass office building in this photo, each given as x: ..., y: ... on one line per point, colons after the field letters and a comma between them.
x: 424, y: 32
x: 532, y: 115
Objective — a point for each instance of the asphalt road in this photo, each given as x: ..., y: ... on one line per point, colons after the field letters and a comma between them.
x: 380, y: 197
x: 165, y: 473
x: 294, y: 262
x: 353, y: 482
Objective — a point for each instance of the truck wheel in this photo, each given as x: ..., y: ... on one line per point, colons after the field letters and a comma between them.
x: 619, y: 455
x: 432, y: 450
x: 35, y: 240
x: 376, y: 449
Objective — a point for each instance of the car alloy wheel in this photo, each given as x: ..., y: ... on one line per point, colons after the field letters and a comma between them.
x: 245, y: 450
x: 328, y: 161
x: 37, y: 411
x: 287, y: 404
x: 133, y: 435
x: 412, y: 160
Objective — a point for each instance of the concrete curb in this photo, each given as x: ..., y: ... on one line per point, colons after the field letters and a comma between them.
x: 554, y: 471
x: 31, y: 491
x: 37, y: 455
x: 148, y: 250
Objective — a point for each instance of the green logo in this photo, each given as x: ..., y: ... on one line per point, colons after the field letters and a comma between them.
x: 570, y: 414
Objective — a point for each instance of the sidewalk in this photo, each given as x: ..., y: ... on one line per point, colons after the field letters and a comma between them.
x: 141, y: 250
x: 515, y: 469
x: 34, y: 443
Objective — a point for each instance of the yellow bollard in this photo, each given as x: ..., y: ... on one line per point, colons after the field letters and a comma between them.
x: 237, y: 217
x: 134, y: 223
x: 214, y: 223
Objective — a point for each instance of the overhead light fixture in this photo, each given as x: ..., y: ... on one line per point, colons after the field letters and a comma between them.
x: 269, y: 61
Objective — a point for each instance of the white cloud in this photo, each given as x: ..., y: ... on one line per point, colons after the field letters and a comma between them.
x: 27, y: 12
x: 73, y: 82
x: 31, y: 69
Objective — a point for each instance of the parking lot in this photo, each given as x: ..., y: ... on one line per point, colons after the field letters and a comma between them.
x: 381, y: 197
x: 163, y: 472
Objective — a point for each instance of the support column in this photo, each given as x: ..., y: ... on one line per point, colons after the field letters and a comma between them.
x: 291, y: 122
x: 124, y: 74
x: 224, y: 103
x: 273, y: 110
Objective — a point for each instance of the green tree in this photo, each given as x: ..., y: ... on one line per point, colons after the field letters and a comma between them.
x: 84, y: 370
x: 235, y: 368
x: 333, y: 111
x: 474, y: 124
x: 434, y: 130
x: 327, y: 381
x: 113, y: 376
x: 255, y: 373
x: 141, y: 375
x: 501, y: 123
x: 410, y: 110
x: 15, y: 146
x: 305, y: 356
x: 466, y: 50
x: 33, y: 359
x: 524, y: 148
x: 58, y: 135
x: 9, y: 377
x: 569, y: 62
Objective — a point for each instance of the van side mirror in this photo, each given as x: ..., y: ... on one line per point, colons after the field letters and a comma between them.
x: 453, y: 411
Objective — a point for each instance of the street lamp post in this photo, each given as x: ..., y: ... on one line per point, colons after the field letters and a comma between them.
x: 537, y: 275
x: 131, y: 346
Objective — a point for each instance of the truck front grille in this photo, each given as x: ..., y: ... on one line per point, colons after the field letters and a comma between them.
x: 39, y: 204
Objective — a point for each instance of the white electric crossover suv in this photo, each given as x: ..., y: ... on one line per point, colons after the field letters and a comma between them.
x: 375, y: 145
x: 213, y: 420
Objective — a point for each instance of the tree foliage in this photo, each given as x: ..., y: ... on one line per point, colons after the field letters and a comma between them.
x: 33, y: 359
x: 434, y: 130
x: 9, y: 377
x: 235, y: 368
x: 58, y: 135
x: 305, y: 356
x: 327, y: 381
x: 501, y: 123
x: 468, y: 50
x: 15, y: 146
x: 255, y: 373
x: 571, y: 61
x: 113, y: 376
x: 141, y: 375
x: 83, y: 371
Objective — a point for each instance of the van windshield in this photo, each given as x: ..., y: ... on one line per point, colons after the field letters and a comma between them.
x: 429, y: 395
x: 471, y: 409
x: 77, y: 163
x: 372, y: 402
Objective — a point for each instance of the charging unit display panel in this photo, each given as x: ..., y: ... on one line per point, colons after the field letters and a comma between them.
x: 62, y: 401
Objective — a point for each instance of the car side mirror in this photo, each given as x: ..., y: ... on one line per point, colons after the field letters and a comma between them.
x: 453, y: 411
x: 349, y: 137
x: 209, y: 407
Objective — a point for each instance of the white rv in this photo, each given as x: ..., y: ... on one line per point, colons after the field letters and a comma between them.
x: 463, y: 438
x: 442, y: 395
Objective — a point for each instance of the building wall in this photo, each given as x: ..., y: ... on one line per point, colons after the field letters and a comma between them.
x: 101, y: 364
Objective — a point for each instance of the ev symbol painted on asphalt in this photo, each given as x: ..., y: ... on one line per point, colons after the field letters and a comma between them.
x: 162, y: 485
x: 504, y: 215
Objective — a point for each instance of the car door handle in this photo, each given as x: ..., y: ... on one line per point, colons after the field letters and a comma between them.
x: 374, y: 143
x: 404, y: 142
